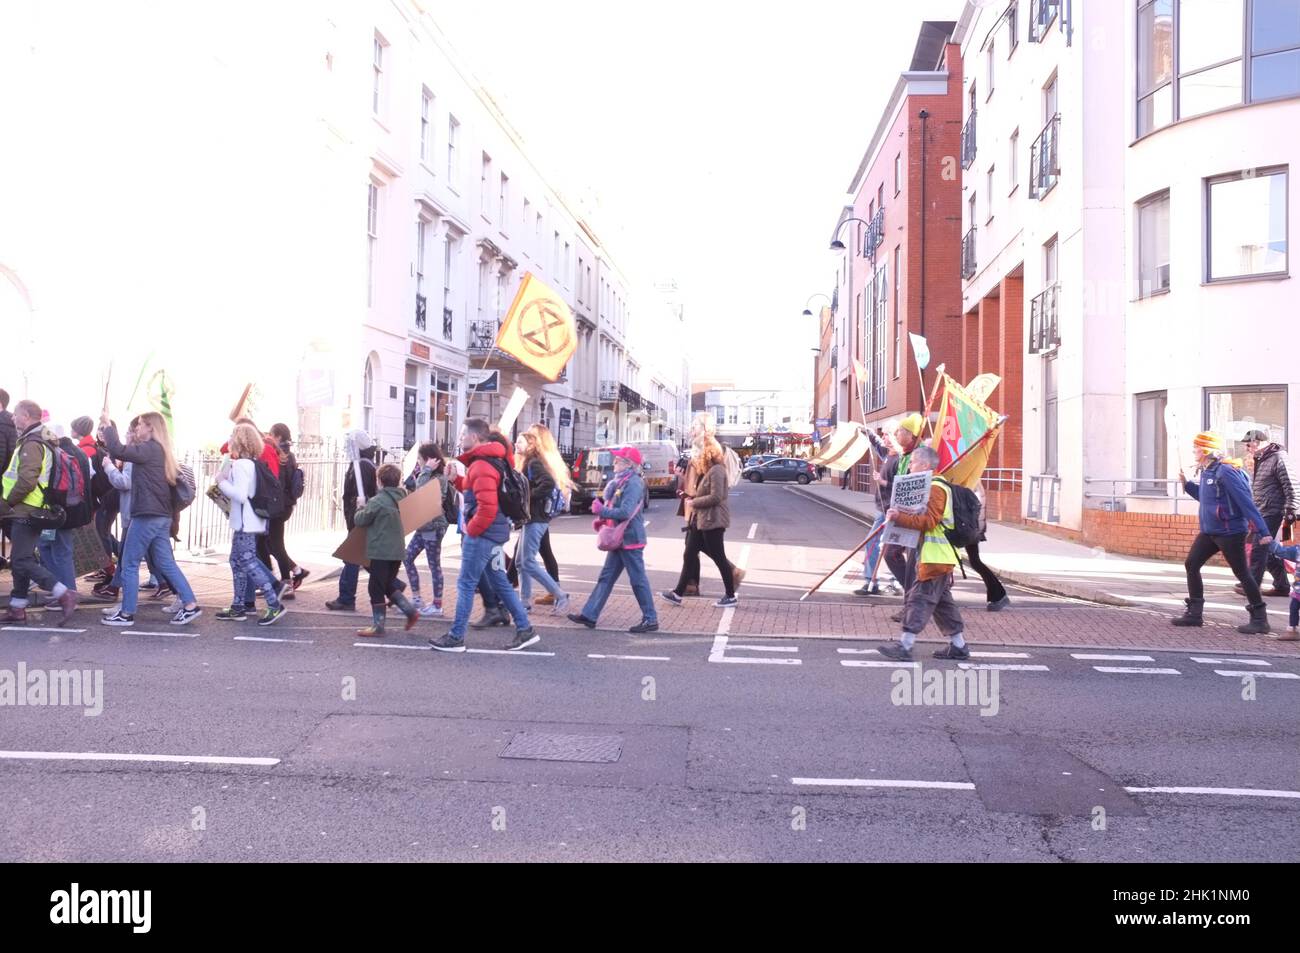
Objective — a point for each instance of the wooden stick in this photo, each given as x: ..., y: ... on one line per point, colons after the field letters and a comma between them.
x: 822, y: 581
x: 938, y: 379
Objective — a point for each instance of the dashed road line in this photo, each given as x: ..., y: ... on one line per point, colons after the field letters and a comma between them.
x: 37, y: 628
x: 1229, y: 792
x: 872, y: 663
x: 718, y: 653
x: 1228, y: 661
x: 753, y: 528
x: 256, y: 638
x: 1239, y: 674
x: 995, y: 667
x: 1000, y: 655
x: 858, y: 651
x: 1090, y: 657
x: 127, y: 630
x: 765, y: 648
x: 882, y: 783
x: 1122, y: 670
x: 634, y: 658
x: 108, y: 756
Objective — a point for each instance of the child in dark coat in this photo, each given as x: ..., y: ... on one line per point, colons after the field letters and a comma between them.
x: 385, y: 548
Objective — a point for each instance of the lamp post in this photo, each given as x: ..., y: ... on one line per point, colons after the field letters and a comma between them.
x: 838, y: 246
x: 807, y: 312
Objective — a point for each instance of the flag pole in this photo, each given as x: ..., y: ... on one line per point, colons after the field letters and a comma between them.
x: 929, y: 401
x: 838, y: 566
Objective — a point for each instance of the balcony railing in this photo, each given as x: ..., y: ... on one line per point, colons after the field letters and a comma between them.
x: 875, y: 233
x: 421, y: 319
x: 482, y: 335
x: 1044, y: 332
x: 1041, y: 15
x: 835, y: 355
x: 968, y: 142
x: 446, y: 324
x: 1043, y: 168
x: 968, y: 253
x: 609, y: 390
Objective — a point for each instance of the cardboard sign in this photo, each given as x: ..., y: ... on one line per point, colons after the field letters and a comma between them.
x: 911, y: 495
x: 415, y: 508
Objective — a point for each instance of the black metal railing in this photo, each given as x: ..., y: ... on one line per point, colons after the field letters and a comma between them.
x: 968, y: 253
x: 835, y: 355
x: 1043, y: 168
x: 1044, y: 332
x: 446, y: 323
x: 875, y: 234
x: 968, y: 142
x: 421, y: 315
x: 482, y: 335
x: 1041, y: 15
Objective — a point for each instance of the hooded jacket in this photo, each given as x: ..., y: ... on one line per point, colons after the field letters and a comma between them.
x: 383, y: 521
x: 622, y: 500
x: 480, y: 485
x: 8, y: 437
x: 1274, y: 487
x: 31, y: 447
x: 1226, y: 506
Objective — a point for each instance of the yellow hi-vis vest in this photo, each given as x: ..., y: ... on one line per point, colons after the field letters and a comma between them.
x: 935, y: 547
x: 36, y: 498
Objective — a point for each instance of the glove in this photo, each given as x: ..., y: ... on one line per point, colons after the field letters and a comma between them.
x: 597, y: 506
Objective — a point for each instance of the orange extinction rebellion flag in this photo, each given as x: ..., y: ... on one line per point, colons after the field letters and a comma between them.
x: 539, y: 329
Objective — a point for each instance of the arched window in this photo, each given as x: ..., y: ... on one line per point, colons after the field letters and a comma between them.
x: 368, y: 396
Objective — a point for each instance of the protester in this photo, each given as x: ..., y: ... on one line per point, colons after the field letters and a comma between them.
x: 703, y: 430
x: 1226, y: 511
x: 153, y: 479
x: 290, y: 572
x: 907, y: 436
x: 549, y: 488
x: 428, y: 538
x: 621, y: 502
x: 26, y: 511
x: 486, y: 530
x: 8, y: 442
x: 238, y: 481
x: 1278, y: 551
x: 883, y: 481
x: 1274, y: 490
x: 55, y: 546
x: 710, y: 517
x: 360, y: 450
x: 385, y: 541
x: 995, y: 593
x: 930, y: 594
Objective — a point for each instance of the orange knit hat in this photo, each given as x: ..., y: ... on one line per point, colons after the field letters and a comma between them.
x: 1209, y: 441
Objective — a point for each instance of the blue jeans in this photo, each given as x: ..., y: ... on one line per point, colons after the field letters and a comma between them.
x: 348, y: 584
x: 874, y: 549
x: 633, y: 560
x: 56, y: 556
x: 249, y: 572
x: 429, y: 543
x: 150, y: 534
x: 530, y: 564
x: 479, y: 557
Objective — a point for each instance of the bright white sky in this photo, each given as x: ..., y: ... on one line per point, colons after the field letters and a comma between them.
x: 719, y: 135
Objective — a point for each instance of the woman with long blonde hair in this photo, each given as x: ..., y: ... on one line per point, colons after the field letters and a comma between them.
x: 549, y: 486
x: 707, y: 522
x: 238, y: 481
x: 154, y: 472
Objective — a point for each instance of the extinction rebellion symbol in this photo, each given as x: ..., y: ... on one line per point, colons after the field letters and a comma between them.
x: 542, y: 329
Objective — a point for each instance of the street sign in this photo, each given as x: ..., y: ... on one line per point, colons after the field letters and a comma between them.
x: 823, y: 421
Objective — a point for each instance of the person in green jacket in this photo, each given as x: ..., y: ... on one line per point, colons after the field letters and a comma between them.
x: 385, y: 548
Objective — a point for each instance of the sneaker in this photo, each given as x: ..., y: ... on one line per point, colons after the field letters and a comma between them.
x: 272, y: 615
x: 546, y: 599
x: 490, y: 618
x: 896, y: 617
x: 952, y: 652
x: 895, y: 651
x: 286, y: 593
x: 524, y: 638
x: 163, y: 591
x: 431, y: 611
x: 233, y: 614
x: 447, y: 644
x: 580, y: 619
x: 282, y: 588
x: 111, y: 610
x: 560, y: 604
x: 412, y: 618
x: 726, y: 602
x: 371, y: 632
x: 148, y: 585
x: 672, y: 597
x: 68, y: 603
x: 173, y: 607
x: 185, y: 616
x: 417, y: 601
x: 643, y: 626
x: 299, y: 576
x: 865, y: 590
x: 339, y: 606
x: 119, y: 620
x: 1000, y: 604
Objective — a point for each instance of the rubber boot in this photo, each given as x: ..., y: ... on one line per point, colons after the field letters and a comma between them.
x: 1192, y: 616
x: 1258, y: 624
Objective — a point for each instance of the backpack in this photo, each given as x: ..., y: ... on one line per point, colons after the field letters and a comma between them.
x: 77, y: 501
x: 184, y: 490
x: 100, y: 486
x: 297, y: 485
x: 965, y: 516
x: 733, y: 465
x: 67, y: 487
x: 268, y: 494
x: 512, y: 493
x: 450, y: 504
x: 556, y: 504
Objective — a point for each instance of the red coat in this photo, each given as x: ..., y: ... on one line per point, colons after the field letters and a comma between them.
x: 270, y: 455
x: 480, y: 484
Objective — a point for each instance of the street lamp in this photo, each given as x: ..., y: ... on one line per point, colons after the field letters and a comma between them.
x: 836, y: 244
x: 807, y: 313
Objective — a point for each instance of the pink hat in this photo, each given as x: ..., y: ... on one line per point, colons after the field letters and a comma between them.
x: 631, y: 454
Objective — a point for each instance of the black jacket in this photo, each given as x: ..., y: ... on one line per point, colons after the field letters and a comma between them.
x: 1274, y: 486
x: 151, y: 494
x: 368, y: 483
x: 8, y: 438
x: 540, y: 487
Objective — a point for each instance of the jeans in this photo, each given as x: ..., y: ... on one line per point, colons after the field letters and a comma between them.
x: 616, y: 560
x: 1261, y: 559
x: 56, y: 556
x: 348, y: 584
x: 249, y: 572
x: 530, y: 564
x: 430, y: 543
x: 150, y: 535
x: 26, y: 568
x: 478, y: 557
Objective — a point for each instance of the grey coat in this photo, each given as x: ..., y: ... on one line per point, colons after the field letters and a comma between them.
x: 709, y: 508
x: 1274, y: 486
x: 151, y: 494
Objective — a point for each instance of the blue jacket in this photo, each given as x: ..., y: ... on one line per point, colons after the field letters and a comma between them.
x: 622, y: 500
x: 1226, y: 505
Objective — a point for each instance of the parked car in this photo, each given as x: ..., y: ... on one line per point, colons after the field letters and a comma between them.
x: 594, y: 467
x: 758, y: 459
x: 784, y: 468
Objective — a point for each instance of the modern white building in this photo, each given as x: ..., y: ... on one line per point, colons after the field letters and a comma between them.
x: 744, y: 416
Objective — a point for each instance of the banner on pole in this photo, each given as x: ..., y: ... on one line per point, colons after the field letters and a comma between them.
x: 921, y: 348
x: 539, y: 329
x: 911, y: 495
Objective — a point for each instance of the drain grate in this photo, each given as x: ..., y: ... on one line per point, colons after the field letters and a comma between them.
x: 539, y: 746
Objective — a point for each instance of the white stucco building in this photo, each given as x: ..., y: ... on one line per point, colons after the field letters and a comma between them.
x: 744, y: 415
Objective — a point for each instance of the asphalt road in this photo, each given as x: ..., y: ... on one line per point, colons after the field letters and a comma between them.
x: 789, y: 749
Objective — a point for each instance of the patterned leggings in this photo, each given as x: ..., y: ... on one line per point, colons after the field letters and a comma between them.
x: 430, y: 543
x: 249, y: 572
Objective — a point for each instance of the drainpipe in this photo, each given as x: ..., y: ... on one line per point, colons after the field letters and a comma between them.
x: 920, y: 379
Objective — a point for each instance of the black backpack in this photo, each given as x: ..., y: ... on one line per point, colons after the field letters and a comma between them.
x: 965, y: 516
x: 450, y: 504
x: 268, y: 494
x: 513, y: 493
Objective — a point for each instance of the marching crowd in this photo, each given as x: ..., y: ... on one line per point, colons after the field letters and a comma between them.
x: 56, y: 486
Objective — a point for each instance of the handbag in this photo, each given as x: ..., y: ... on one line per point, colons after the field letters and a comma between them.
x: 610, y: 535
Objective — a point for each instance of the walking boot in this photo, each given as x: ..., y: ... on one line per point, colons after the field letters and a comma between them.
x: 1193, y: 614
x: 491, y: 617
x: 1258, y: 624
x: 15, y: 615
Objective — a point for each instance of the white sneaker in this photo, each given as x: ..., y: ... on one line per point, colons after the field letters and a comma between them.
x: 561, y: 603
x: 417, y: 602
x: 111, y: 610
x: 430, y: 611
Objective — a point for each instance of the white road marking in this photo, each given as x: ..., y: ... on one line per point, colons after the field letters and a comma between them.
x: 1228, y: 661
x: 425, y: 648
x: 718, y: 653
x: 858, y: 651
x: 107, y: 756
x: 255, y: 638
x: 743, y: 561
x: 724, y: 624
x: 170, y: 635
x: 765, y: 648
x: 510, y: 652
x: 1000, y: 655
x: 36, y: 628
x: 872, y: 663
x: 1232, y: 674
x: 994, y: 667
x: 381, y: 645
x: 1111, y: 658
x: 753, y: 528
x: 1227, y: 607
x: 882, y: 783
x: 1228, y: 792
x: 635, y: 658
x: 1121, y: 670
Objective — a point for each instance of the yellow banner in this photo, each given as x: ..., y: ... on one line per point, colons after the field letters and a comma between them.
x: 539, y: 329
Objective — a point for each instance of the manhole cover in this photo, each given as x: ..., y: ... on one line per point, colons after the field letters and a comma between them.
x: 537, y: 746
